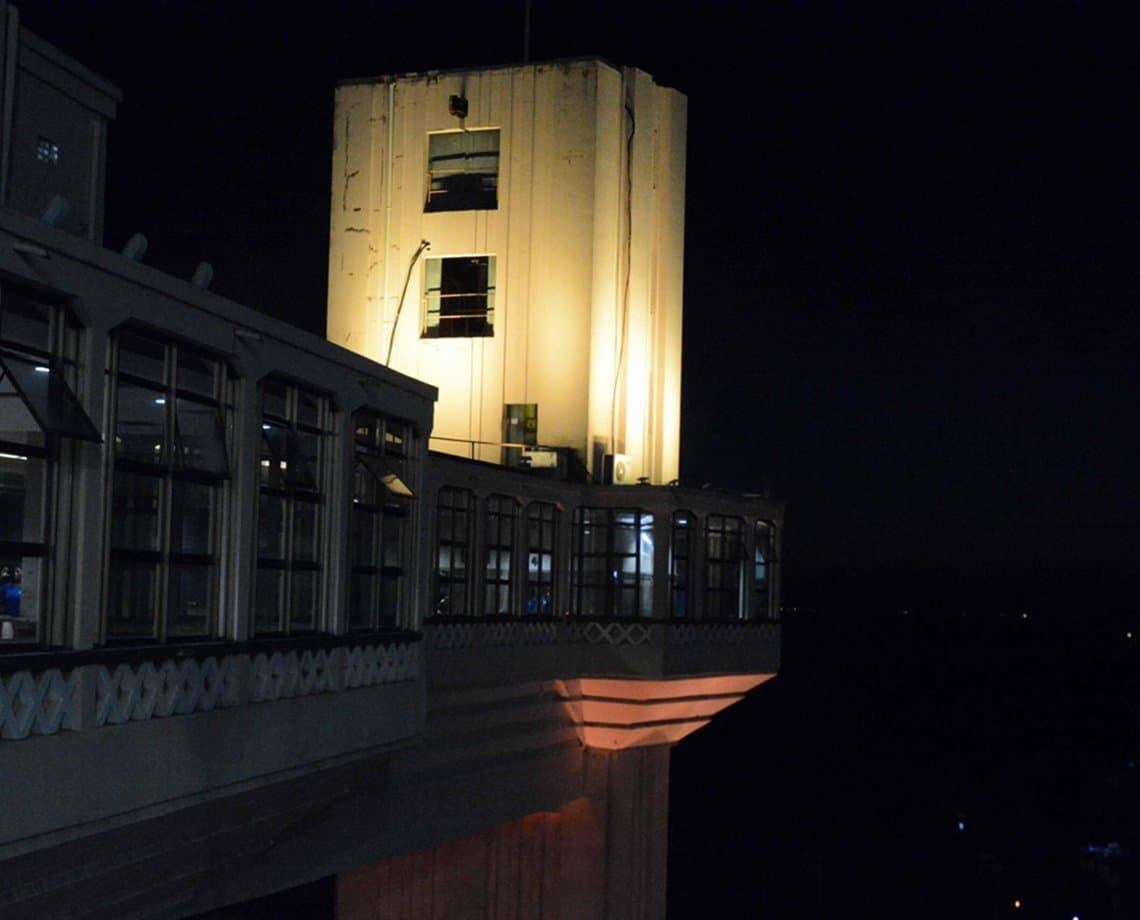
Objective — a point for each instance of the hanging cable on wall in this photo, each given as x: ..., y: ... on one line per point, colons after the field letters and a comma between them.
x: 623, y: 326
x: 424, y: 244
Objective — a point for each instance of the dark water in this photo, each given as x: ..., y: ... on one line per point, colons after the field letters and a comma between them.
x: 837, y: 789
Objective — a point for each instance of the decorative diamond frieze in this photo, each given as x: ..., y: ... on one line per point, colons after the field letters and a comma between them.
x: 452, y: 635
x: 495, y: 634
x: 615, y: 633
x: 175, y: 687
x: 690, y: 634
x: 37, y: 704
x: 284, y: 676
x: 50, y: 701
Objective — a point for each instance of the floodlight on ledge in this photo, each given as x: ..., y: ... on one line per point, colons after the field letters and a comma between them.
x: 203, y: 275
x: 56, y: 210
x: 135, y: 247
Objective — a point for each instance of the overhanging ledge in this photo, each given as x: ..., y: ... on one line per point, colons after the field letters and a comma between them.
x: 617, y: 713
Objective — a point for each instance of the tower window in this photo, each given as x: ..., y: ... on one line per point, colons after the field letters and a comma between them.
x: 463, y: 171
x: 459, y: 295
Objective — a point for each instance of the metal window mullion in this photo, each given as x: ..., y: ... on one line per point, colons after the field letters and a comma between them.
x: 577, y: 528
x: 285, y: 608
x: 615, y: 583
x: 553, y: 560
x: 376, y: 522
x: 613, y: 590
x: 166, y: 487
x: 164, y: 492
x: 642, y: 517
x: 467, y: 534
x: 514, y: 569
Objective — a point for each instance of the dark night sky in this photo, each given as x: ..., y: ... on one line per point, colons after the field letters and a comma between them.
x: 911, y: 261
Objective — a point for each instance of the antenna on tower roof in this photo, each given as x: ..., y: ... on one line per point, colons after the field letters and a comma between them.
x: 526, y: 31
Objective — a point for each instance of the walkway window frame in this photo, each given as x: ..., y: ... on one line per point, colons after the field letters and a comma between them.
x: 683, y: 527
x: 612, y: 562
x: 39, y: 344
x: 380, y: 521
x: 500, y: 526
x: 724, y: 567
x: 297, y: 426
x: 542, y: 524
x: 455, y: 541
x: 168, y: 490
x: 764, y: 538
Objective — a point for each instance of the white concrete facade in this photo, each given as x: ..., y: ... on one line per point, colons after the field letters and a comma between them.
x: 588, y: 240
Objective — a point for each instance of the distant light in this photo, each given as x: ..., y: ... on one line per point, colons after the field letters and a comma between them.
x: 159, y: 401
x: 1025, y: 616
x: 1017, y: 904
x: 13, y: 457
x: 961, y: 825
x: 1128, y: 635
x: 40, y: 369
x: 265, y: 427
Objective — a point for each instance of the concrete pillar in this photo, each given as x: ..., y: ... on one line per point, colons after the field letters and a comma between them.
x: 602, y: 856
x: 637, y: 829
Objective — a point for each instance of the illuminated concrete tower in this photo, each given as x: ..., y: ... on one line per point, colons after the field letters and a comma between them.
x: 553, y: 199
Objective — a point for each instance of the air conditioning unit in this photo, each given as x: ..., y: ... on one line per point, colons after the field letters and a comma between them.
x: 540, y: 459
x: 617, y: 470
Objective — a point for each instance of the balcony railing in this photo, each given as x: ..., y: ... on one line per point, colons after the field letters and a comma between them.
x: 543, y: 648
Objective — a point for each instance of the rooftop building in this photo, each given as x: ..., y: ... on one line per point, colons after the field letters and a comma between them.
x: 255, y: 636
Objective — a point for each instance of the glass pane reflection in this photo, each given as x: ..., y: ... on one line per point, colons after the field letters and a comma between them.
x: 200, y: 437
x: 46, y: 395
